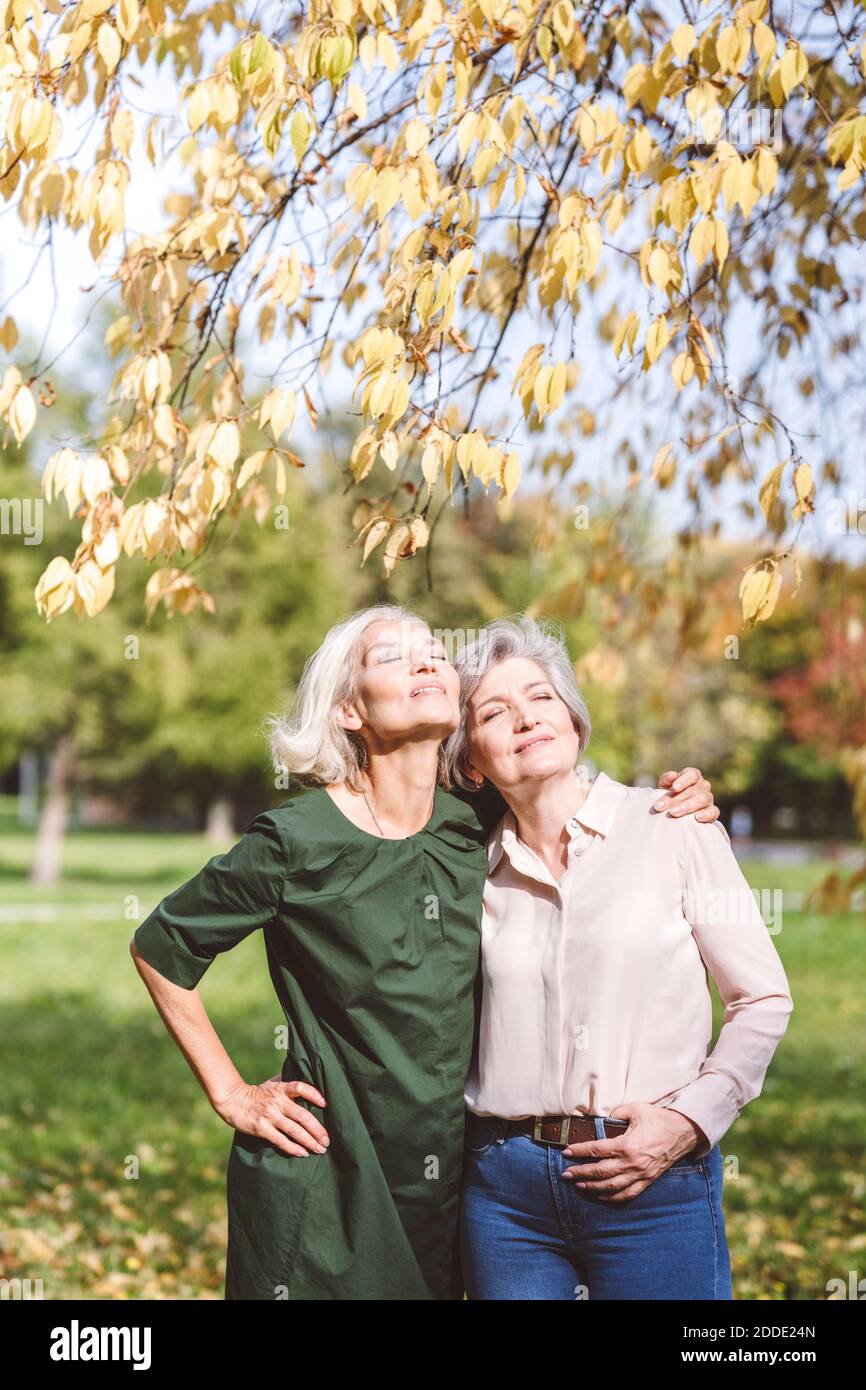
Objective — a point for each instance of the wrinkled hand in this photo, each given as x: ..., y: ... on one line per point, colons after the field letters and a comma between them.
x: 690, y: 794
x: 269, y: 1112
x: 656, y: 1138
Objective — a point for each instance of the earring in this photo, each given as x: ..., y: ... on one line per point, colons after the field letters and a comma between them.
x: 479, y: 782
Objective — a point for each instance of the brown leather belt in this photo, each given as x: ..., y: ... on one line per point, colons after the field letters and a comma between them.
x: 566, y: 1129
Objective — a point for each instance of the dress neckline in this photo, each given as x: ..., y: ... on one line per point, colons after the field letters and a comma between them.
x: 384, y: 839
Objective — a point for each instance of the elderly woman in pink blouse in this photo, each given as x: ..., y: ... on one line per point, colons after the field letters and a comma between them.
x: 592, y: 1161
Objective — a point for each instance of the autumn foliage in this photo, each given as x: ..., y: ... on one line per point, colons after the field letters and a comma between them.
x: 479, y: 167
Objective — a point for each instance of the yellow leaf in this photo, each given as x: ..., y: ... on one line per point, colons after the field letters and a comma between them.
x: 11, y: 381
x: 541, y: 387
x: 389, y: 450
x: 759, y: 591
x: 53, y: 592
x: 22, y: 413
x: 252, y: 466
x: 387, y: 192
x: 793, y: 69
x: 804, y: 487
x: 96, y: 479
x: 770, y: 488
x: 557, y: 386
x: 510, y: 474
x: 630, y: 322
x: 128, y: 16
x: 299, y: 134
x: 683, y: 41
x: 664, y: 466
x: 399, y: 400
x: 225, y: 444
x: 768, y: 170
x: 164, y: 426
x: 616, y: 212
x: 702, y: 240
x: 464, y: 453
x: 657, y: 339
x: 108, y: 45
x: 107, y: 550
x: 8, y: 334
x: 198, y: 109
x: 658, y: 267
x: 387, y: 50
x: 431, y: 462
x: 728, y: 49
x: 122, y: 131
x: 633, y: 83
x: 357, y: 100
x: 419, y: 535
x: 380, y: 393
x: 764, y: 39
x: 278, y: 410
x: 528, y: 362
x: 416, y: 136
x: 682, y: 370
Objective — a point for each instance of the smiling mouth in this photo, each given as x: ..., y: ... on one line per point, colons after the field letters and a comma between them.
x: 534, y: 742
x: 428, y: 690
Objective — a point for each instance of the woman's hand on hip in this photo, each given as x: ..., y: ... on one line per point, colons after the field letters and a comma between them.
x: 269, y: 1112
x: 623, y: 1167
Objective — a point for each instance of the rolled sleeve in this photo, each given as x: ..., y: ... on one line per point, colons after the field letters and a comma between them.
x: 744, y: 965
x: 235, y: 893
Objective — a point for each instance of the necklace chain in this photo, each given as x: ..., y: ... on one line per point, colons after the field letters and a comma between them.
x: 373, y: 813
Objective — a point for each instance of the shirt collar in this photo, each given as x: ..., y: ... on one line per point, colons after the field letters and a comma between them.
x: 597, y: 814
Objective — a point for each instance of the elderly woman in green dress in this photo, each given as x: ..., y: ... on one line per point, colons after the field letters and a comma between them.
x: 344, y: 1173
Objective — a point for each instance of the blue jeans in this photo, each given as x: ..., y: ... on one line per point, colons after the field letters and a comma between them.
x: 527, y: 1233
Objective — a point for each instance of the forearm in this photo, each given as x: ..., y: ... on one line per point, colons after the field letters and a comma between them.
x: 186, y: 1019
x: 733, y: 1073
x: 738, y: 954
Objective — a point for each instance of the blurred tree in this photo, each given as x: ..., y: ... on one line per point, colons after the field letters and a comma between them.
x: 163, y: 714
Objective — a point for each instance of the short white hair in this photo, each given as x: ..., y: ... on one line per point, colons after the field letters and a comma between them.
x: 541, y: 642
x: 309, y: 742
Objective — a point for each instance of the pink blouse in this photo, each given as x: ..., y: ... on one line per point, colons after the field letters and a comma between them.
x: 595, y: 986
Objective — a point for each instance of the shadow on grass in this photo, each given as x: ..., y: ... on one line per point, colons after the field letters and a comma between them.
x: 112, y: 1162
x: 112, y: 1165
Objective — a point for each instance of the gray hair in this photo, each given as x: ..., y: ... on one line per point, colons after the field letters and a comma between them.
x: 541, y: 642
x: 309, y: 742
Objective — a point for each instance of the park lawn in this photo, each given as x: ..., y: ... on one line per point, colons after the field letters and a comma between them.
x: 112, y: 1162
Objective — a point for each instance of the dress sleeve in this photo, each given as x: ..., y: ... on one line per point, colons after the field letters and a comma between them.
x: 234, y: 894
x: 743, y: 962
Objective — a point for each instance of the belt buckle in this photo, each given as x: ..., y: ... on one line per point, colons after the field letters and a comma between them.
x: 564, y: 1125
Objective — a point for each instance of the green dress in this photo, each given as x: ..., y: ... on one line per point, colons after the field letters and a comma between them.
x: 373, y: 947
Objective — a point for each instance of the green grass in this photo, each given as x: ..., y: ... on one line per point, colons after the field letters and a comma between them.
x: 94, y: 1085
